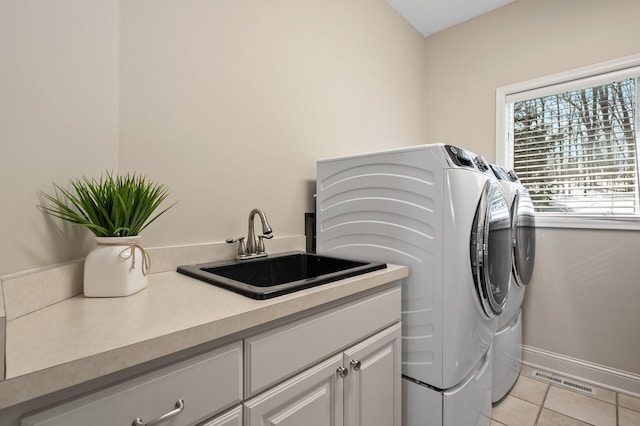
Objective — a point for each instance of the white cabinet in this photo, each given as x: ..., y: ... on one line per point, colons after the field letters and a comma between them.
x: 206, y: 385
x: 334, y: 367
x: 279, y: 353
x: 231, y: 418
x: 360, y: 386
x: 373, y: 387
x: 313, y: 398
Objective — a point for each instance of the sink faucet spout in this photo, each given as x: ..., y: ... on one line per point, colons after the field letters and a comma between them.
x: 253, y: 244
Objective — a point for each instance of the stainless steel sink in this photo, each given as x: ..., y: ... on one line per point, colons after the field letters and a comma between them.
x: 276, y: 275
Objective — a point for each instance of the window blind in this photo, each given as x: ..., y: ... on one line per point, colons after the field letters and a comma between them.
x: 575, y: 145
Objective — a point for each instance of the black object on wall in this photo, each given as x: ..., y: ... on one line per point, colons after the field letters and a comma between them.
x: 310, y: 231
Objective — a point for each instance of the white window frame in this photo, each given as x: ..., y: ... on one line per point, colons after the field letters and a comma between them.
x: 504, y: 151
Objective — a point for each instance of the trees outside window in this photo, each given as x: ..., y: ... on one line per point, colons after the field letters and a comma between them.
x: 576, y: 151
x: 572, y: 139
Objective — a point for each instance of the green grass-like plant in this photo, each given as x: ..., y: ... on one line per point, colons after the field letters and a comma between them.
x: 114, y: 206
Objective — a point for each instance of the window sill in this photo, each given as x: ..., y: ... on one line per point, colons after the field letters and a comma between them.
x: 632, y: 224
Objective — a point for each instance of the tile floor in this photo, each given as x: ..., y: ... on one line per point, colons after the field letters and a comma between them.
x: 533, y: 402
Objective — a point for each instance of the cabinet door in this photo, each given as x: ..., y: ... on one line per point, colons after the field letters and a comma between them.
x: 312, y: 398
x: 230, y: 418
x: 372, y: 388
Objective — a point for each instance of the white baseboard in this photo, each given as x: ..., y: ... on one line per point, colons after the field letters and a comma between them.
x: 595, y: 374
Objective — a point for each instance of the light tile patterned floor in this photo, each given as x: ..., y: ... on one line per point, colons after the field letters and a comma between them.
x: 533, y: 402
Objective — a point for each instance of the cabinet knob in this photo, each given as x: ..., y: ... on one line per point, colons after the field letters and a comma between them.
x: 342, y: 372
x: 355, y: 365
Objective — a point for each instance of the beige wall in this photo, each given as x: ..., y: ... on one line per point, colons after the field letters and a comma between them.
x: 583, y: 301
x: 227, y: 103
x: 231, y: 103
x: 58, y: 117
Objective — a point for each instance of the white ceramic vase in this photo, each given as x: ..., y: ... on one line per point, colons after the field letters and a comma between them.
x: 116, y: 267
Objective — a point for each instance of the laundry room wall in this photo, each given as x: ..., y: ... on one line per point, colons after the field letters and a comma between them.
x: 581, y: 310
x: 228, y: 103
x: 58, y: 118
x: 232, y: 103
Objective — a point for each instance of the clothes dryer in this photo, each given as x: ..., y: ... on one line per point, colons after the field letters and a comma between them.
x: 507, y: 343
x: 439, y: 210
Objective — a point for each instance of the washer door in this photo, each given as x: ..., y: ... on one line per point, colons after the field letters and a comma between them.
x: 491, y: 249
x: 524, y: 237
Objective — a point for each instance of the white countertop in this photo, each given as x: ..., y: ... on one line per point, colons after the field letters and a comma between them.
x: 80, y: 338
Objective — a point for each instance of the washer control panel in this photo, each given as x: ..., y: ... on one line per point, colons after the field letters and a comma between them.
x: 463, y: 158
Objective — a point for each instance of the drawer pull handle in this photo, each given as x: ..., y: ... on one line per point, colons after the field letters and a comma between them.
x: 356, y: 365
x: 177, y: 410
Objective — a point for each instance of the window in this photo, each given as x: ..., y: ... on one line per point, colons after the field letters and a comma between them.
x: 572, y: 139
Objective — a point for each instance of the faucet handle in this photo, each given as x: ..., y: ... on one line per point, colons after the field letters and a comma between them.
x: 242, y: 248
x: 261, y: 238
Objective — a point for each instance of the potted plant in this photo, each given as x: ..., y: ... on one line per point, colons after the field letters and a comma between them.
x: 116, y: 209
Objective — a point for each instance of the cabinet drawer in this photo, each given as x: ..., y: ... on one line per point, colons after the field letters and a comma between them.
x: 284, y: 351
x: 207, y: 384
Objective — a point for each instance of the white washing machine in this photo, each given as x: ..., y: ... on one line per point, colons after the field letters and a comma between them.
x: 439, y: 210
x: 507, y: 343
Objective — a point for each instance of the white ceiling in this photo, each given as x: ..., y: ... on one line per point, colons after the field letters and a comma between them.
x: 431, y: 16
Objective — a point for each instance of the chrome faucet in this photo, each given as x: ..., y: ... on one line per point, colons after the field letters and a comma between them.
x: 255, y: 244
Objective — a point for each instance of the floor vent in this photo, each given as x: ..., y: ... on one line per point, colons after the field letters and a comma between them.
x: 564, y: 382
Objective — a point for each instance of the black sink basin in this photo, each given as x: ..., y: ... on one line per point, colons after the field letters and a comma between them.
x: 272, y: 276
